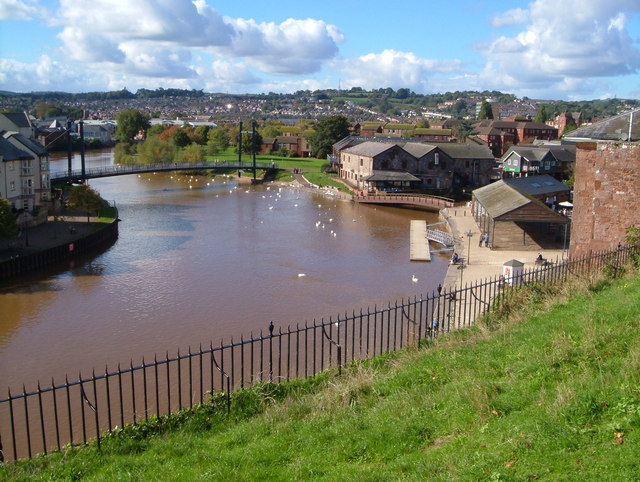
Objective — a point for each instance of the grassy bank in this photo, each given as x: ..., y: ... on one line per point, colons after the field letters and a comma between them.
x: 551, y: 392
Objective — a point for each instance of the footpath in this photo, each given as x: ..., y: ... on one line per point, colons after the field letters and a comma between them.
x: 45, y: 236
x: 482, y: 263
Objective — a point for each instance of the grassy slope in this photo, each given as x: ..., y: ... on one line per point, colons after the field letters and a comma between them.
x: 548, y: 396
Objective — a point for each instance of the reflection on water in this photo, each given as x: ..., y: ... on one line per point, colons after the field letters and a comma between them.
x: 200, y: 260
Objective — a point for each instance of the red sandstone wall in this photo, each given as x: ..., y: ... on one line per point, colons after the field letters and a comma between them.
x: 606, y: 195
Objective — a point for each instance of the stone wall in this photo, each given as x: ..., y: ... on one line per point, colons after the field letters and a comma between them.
x: 606, y: 196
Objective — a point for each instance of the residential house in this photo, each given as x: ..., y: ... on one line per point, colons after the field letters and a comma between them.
x: 393, y: 129
x: 516, y: 131
x: 18, y: 122
x: 430, y: 134
x: 34, y: 173
x: 520, y: 161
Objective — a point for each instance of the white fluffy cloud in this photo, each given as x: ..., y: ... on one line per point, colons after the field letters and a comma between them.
x: 156, y: 38
x: 391, y: 68
x: 291, y: 47
x: 564, y: 43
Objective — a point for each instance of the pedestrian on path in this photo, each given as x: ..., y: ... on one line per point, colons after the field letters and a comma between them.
x: 486, y: 240
x: 480, y: 240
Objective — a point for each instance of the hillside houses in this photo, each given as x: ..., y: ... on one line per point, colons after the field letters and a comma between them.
x: 500, y: 134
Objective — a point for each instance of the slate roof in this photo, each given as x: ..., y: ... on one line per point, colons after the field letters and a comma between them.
x: 9, y: 152
x: 369, y: 148
x: 563, y: 153
x: 32, y: 145
x: 467, y: 151
x: 537, y: 185
x: 20, y: 119
x: 500, y: 199
x: 392, y: 176
x: 416, y: 149
x: 614, y: 128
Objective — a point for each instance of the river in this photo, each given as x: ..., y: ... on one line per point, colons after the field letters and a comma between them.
x: 199, y: 260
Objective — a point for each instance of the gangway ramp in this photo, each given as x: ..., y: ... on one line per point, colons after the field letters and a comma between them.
x: 439, y: 236
x: 418, y: 242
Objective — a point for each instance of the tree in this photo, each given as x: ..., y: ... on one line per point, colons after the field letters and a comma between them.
x: 220, y: 137
x: 192, y: 153
x: 181, y: 138
x: 464, y: 129
x: 328, y: 131
x: 123, y: 153
x: 84, y: 198
x: 486, y: 112
x: 541, y: 115
x: 130, y: 123
x: 247, y: 143
x: 153, y: 149
x: 570, y: 127
x: 8, y: 224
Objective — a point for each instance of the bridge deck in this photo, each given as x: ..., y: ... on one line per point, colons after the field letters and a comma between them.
x: 418, y: 243
x: 125, y: 169
x: 431, y: 202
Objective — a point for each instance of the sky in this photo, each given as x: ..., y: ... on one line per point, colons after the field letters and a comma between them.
x: 542, y: 49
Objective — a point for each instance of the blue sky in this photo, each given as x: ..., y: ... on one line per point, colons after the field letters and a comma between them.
x: 549, y: 49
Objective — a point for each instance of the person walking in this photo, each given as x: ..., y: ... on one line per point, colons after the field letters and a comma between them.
x: 480, y: 240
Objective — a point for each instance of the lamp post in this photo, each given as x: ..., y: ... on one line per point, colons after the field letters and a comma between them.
x: 469, y: 234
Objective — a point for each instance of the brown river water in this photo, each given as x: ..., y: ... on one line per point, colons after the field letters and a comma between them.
x: 201, y: 260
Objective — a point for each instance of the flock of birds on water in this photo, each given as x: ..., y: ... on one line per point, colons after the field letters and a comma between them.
x: 319, y: 224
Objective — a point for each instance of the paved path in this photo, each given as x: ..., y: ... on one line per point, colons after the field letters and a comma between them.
x: 45, y: 236
x: 482, y: 263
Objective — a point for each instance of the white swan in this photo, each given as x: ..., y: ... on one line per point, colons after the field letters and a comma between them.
x: 414, y: 279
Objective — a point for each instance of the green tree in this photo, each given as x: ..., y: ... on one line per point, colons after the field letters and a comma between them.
x: 464, y: 129
x: 84, y: 198
x: 155, y: 130
x: 123, y: 153
x: 328, y: 131
x: 192, y: 153
x: 570, y: 127
x: 541, y: 115
x: 181, y: 138
x: 486, y: 112
x: 153, y: 149
x: 247, y: 143
x: 8, y: 225
x: 130, y: 123
x: 220, y: 137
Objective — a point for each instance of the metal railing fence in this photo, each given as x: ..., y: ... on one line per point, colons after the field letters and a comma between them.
x: 73, y: 412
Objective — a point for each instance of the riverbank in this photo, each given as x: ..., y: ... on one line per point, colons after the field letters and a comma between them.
x: 52, y: 242
x: 481, y: 262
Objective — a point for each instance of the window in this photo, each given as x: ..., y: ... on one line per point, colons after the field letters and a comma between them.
x: 361, y: 161
x: 466, y: 164
x: 436, y: 158
x: 12, y: 186
x: 404, y: 164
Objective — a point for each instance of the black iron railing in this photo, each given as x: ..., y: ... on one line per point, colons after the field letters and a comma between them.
x: 45, y: 419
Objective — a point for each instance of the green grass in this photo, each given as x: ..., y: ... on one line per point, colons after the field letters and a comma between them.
x: 549, y: 392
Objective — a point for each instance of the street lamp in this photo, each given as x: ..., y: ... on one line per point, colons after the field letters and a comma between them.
x: 469, y: 234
